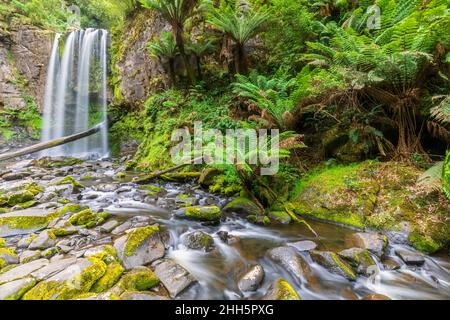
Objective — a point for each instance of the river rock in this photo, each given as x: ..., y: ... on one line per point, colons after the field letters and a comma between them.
x: 242, y: 206
x: 122, y: 228
x: 109, y: 226
x: 8, y: 257
x: 53, y: 268
x: 16, y: 175
x: 174, y: 277
x: 199, y: 240
x: 376, y: 296
x: 288, y: 258
x: 374, y: 242
x: 75, y: 279
x: 305, y: 245
x: 23, y: 270
x: 333, y: 263
x: 24, y: 221
x: 14, y: 290
x: 43, y: 241
x: 252, y: 279
x: 140, y: 246
x: 409, y: 257
x: 360, y: 259
x: 29, y: 255
x: 208, y: 213
x: 281, y: 290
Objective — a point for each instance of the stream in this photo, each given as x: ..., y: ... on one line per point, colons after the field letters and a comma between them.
x: 238, y: 244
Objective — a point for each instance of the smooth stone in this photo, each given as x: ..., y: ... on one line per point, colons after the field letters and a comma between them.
x: 410, y: 258
x: 174, y: 277
x: 374, y: 242
x: 305, y: 245
x: 14, y: 290
x: 376, y: 297
x: 360, y: 259
x: 122, y: 228
x: 288, y: 258
x: 280, y: 289
x: 109, y: 226
x: 391, y: 264
x: 29, y: 255
x: 23, y: 270
x: 252, y: 279
x: 32, y: 213
x: 53, y: 268
x: 43, y: 241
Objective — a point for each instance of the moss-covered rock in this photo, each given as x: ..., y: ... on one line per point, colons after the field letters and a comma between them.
x: 87, y: 218
x: 113, y: 273
x: 71, y: 282
x: 378, y: 196
x: 138, y: 279
x: 358, y: 258
x: 19, y: 197
x: 242, y: 206
x: 281, y: 290
x: 72, y: 181
x: 333, y: 263
x: 25, y: 221
x: 280, y: 216
x: 206, y: 213
x: 59, y: 162
x: 8, y: 256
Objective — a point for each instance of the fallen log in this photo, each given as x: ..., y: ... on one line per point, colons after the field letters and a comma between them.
x: 52, y: 143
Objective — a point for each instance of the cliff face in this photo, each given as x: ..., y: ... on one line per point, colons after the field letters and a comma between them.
x: 136, y: 74
x: 24, y: 55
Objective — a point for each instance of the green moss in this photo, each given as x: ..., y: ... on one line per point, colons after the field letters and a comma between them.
x: 62, y: 232
x: 70, y: 180
x: 343, y: 266
x: 284, y: 291
x: 2, y: 242
x: 4, y: 252
x: 136, y: 237
x: 20, y: 197
x: 25, y: 223
x: 209, y: 213
x: 422, y: 243
x: 280, y: 216
x: 87, y: 218
x: 139, y: 279
x: 28, y: 204
x: 75, y: 207
x: 56, y: 163
x: 79, y: 284
x: 113, y: 273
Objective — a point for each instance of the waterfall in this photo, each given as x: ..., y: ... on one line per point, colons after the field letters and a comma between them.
x: 49, y: 97
x: 76, y: 93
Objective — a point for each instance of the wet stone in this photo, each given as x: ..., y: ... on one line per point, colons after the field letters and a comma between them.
x: 303, y: 245
x: 252, y: 279
x: 174, y: 277
x: 411, y: 258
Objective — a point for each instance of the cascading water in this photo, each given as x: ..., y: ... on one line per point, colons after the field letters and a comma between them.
x: 76, y: 93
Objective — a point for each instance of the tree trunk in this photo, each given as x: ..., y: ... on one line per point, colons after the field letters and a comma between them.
x: 178, y: 32
x: 51, y: 144
x: 172, y: 70
x: 241, y: 60
x: 199, y: 67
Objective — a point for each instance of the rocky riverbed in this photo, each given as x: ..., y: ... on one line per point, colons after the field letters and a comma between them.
x: 72, y: 229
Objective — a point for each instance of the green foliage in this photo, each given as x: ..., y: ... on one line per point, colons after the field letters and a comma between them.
x: 446, y: 175
x: 29, y: 119
x: 164, y: 47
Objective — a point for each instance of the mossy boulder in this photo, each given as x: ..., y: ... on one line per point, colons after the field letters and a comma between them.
x: 25, y: 221
x: 69, y: 283
x: 14, y: 290
x: 140, y: 246
x: 280, y: 216
x: 113, y: 273
x: 360, y: 259
x: 242, y: 206
x: 199, y: 240
x: 19, y: 197
x: 333, y: 263
x: 200, y: 213
x: 138, y: 279
x: 206, y: 178
x: 281, y: 290
x: 7, y: 257
x: 69, y: 180
x: 377, y: 196
x: 87, y: 218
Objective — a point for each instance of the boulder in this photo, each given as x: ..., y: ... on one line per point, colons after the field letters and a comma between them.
x: 333, y: 263
x: 140, y: 246
x: 22, y: 271
x: 174, y: 277
x: 74, y: 280
x: 242, y: 206
x: 360, y: 259
x: 53, y: 268
x: 199, y: 240
x: 411, y: 258
x: 374, y: 242
x: 24, y: 221
x: 137, y: 279
x: 305, y: 245
x: 288, y: 258
x: 201, y: 213
x: 7, y: 257
x: 29, y: 255
x: 281, y: 290
x: 252, y: 279
x: 14, y: 290
x: 44, y: 240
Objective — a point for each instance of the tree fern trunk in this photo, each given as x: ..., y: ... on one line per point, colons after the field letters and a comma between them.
x: 178, y: 32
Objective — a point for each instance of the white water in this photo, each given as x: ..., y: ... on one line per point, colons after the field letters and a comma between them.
x: 76, y: 93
